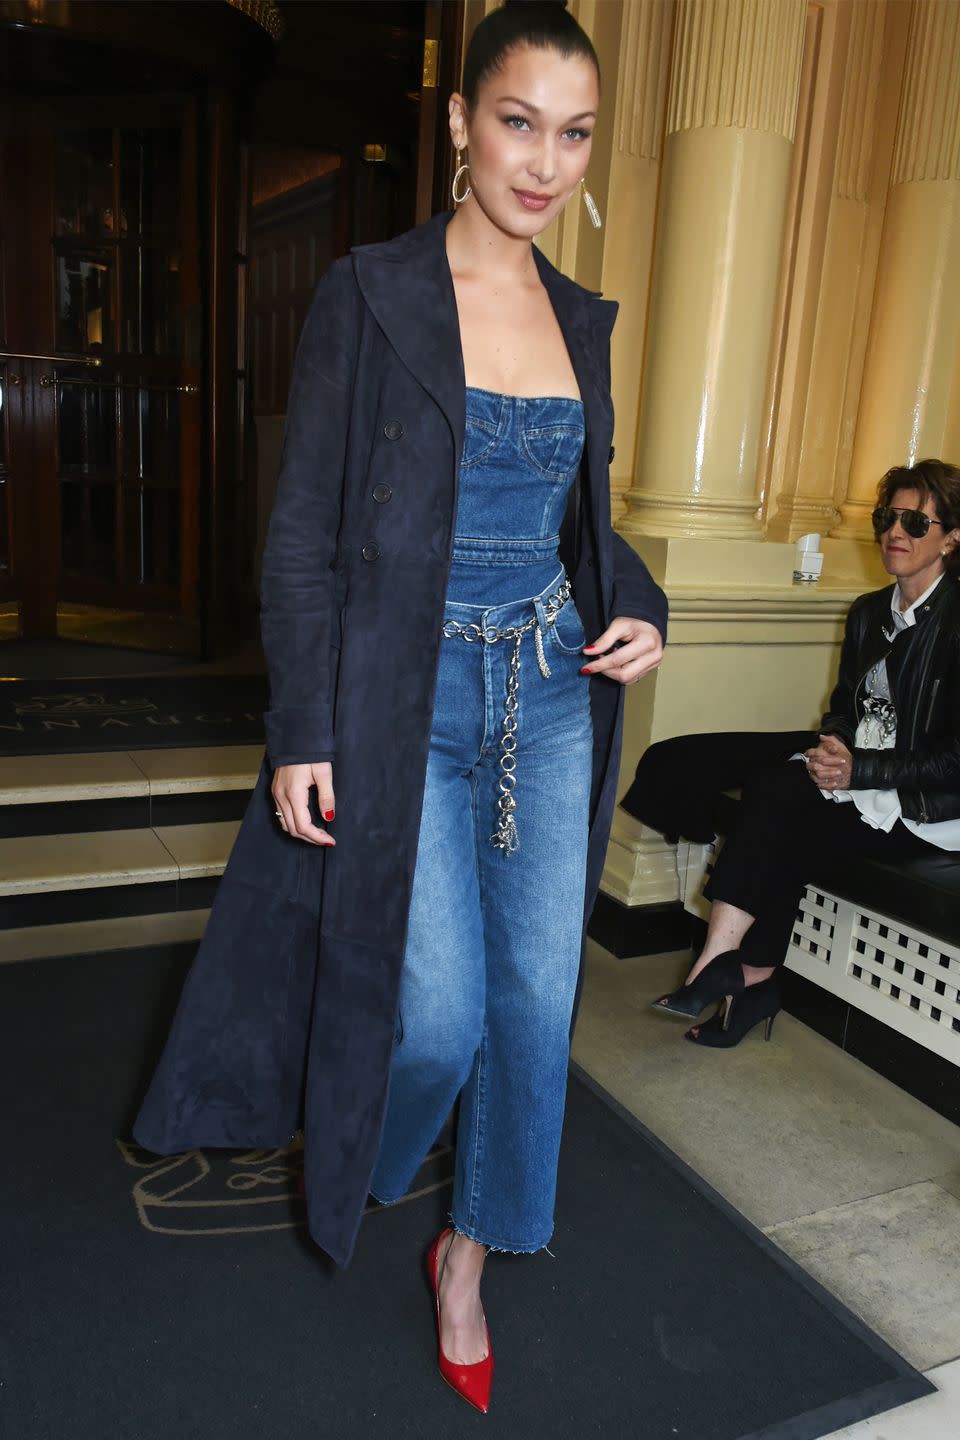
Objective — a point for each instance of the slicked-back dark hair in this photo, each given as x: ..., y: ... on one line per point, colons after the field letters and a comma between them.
x: 936, y: 480
x: 540, y: 24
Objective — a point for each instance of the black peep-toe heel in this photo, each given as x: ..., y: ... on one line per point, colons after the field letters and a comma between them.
x: 758, y: 1002
x: 723, y: 976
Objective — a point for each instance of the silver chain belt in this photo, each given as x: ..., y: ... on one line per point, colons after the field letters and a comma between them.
x: 505, y: 836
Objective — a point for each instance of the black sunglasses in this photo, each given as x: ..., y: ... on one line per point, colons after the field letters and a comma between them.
x: 914, y: 522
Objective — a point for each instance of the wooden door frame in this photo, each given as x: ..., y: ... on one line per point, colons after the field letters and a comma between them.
x: 442, y: 26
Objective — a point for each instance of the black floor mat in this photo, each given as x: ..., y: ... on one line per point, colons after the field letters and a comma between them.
x: 145, y: 1298
x: 119, y: 712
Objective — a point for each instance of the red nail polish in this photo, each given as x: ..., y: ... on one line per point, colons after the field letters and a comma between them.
x: 585, y: 670
x: 328, y: 814
x: 589, y: 647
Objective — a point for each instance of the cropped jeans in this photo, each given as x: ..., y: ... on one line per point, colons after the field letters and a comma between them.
x: 493, y: 945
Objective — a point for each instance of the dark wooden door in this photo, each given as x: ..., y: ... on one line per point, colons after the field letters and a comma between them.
x: 100, y: 366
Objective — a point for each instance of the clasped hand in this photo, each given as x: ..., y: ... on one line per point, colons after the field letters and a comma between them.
x: 830, y: 764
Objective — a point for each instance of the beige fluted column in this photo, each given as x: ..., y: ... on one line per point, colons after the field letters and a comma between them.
x: 847, y: 132
x: 910, y: 401
x: 731, y: 111
x: 643, y: 72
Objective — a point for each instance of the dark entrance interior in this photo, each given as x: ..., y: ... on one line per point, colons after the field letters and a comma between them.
x: 173, y: 180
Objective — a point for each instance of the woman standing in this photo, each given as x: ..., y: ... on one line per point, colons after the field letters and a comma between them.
x: 449, y: 390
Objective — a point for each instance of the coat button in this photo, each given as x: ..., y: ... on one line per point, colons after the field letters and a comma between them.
x: 393, y: 429
x: 382, y: 492
x: 613, y: 451
x: 371, y: 551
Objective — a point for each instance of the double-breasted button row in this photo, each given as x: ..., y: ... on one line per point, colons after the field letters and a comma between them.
x: 393, y: 429
x: 371, y: 551
x: 382, y: 492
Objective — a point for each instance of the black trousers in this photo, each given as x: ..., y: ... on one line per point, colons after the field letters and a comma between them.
x: 678, y: 781
x: 784, y: 826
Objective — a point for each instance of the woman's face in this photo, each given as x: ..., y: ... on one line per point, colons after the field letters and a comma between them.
x: 528, y: 136
x: 905, y: 557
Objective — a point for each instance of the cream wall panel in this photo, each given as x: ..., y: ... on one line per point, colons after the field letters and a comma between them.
x: 761, y: 686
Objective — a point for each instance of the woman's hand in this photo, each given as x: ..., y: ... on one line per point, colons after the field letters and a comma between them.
x: 291, y: 793
x: 830, y: 764
x: 640, y: 649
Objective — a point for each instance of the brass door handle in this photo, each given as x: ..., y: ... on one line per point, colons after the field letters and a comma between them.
x: 92, y: 360
x: 172, y: 389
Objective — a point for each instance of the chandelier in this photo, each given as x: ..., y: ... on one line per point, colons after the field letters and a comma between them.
x: 263, y: 13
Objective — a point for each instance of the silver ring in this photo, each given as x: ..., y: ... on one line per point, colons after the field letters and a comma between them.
x: 279, y: 814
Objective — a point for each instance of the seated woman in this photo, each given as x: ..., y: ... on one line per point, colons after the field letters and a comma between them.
x: 881, y: 780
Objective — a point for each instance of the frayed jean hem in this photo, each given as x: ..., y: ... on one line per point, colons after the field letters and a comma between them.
x: 502, y: 1247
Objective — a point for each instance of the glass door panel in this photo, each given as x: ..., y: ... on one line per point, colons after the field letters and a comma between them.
x: 86, y: 425
x: 84, y: 301
x: 150, y: 301
x: 106, y: 424
x: 152, y: 516
x: 152, y: 442
x: 150, y: 179
x: 83, y: 201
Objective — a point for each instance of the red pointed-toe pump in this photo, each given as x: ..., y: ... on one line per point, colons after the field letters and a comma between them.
x: 473, y: 1382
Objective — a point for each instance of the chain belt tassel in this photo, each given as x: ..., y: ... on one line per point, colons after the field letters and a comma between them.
x: 506, y: 837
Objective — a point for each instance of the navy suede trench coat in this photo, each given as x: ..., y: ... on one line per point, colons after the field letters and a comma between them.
x: 287, y: 1017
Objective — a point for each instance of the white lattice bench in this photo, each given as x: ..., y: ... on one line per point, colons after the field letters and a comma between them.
x: 897, y: 960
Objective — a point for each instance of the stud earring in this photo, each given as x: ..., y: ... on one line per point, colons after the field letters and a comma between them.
x: 461, y: 170
x: 591, y: 205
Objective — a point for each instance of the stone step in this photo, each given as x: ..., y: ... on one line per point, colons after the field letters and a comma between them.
x: 126, y: 843
x: 92, y: 937
x: 112, y: 775
x: 32, y: 864
x: 98, y: 875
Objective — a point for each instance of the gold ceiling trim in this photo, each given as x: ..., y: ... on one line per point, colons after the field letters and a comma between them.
x: 263, y: 13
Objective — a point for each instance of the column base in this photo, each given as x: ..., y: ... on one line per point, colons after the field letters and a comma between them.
x: 652, y: 512
x: 855, y: 522
x: 802, y: 515
x: 641, y: 866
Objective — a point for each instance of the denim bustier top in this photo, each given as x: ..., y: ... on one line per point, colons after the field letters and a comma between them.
x: 519, y: 459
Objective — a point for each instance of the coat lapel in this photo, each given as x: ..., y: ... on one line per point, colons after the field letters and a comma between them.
x: 407, y: 286
x: 586, y: 322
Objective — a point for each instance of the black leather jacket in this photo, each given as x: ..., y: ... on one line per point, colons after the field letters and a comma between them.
x: 923, y: 668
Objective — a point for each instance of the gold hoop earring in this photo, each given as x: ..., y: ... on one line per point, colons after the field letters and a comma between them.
x: 591, y: 205
x: 461, y: 170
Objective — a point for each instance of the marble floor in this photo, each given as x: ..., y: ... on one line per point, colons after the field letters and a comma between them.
x: 855, y: 1179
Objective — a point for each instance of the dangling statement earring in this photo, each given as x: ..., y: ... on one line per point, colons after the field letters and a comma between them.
x: 591, y: 205
x: 461, y: 170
